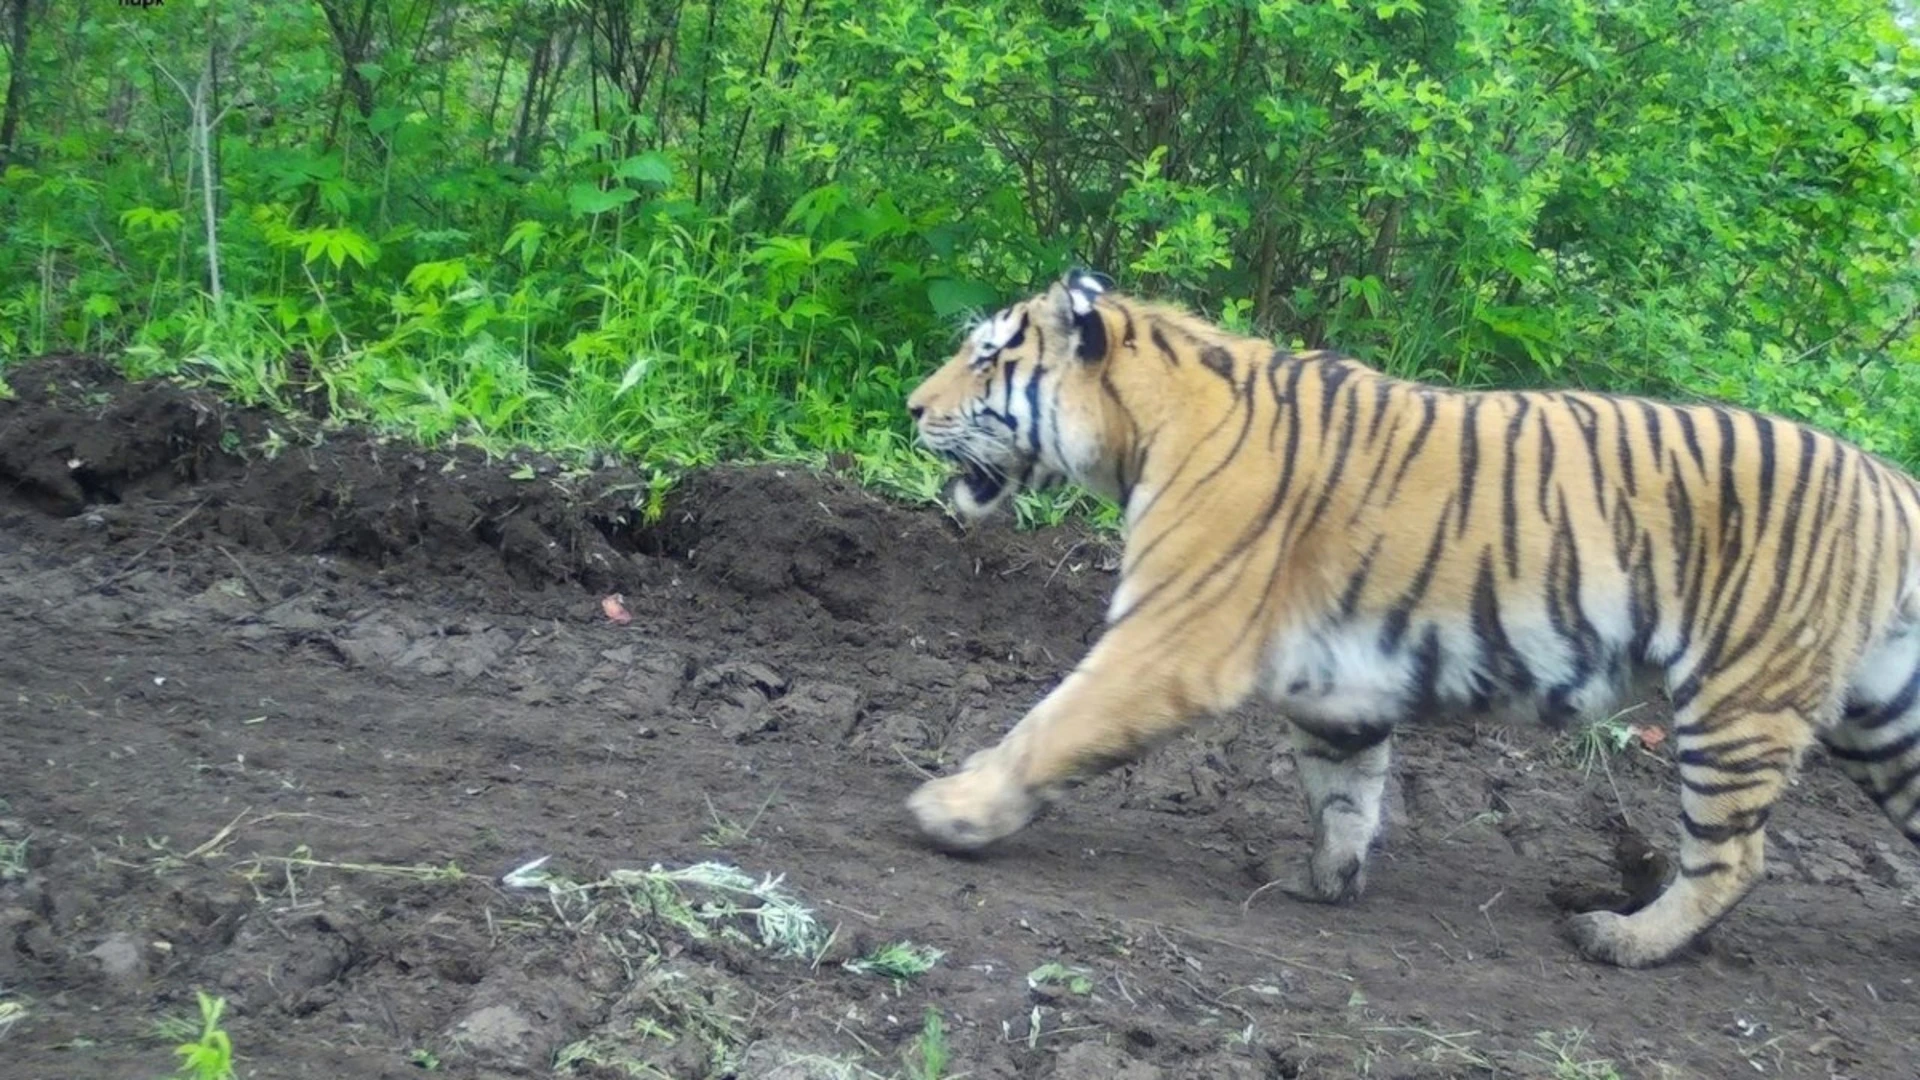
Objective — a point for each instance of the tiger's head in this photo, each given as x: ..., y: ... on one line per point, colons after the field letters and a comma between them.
x: 1018, y: 406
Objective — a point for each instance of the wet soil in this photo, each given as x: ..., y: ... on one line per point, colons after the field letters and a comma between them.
x: 283, y: 702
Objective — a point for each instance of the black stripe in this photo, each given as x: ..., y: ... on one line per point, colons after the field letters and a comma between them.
x: 1651, y: 414
x: 1874, y: 755
x: 1763, y: 431
x: 1704, y: 869
x: 1380, y: 461
x: 1332, y: 377
x: 1626, y: 535
x: 1730, y: 520
x: 1357, y: 581
x: 1565, y: 613
x: 1033, y: 411
x: 1587, y: 419
x: 1413, y: 446
x: 1019, y: 334
x: 1643, y: 603
x: 1469, y: 459
x: 1833, y: 485
x: 1509, y: 501
x: 1382, y: 394
x: 1218, y: 360
x: 1341, y: 455
x: 1160, y: 342
x: 1279, y: 357
x: 1093, y: 336
x: 1336, y: 743
x: 1500, y: 659
x: 1711, y: 756
x: 1738, y: 824
x: 1394, y: 627
x: 1690, y: 437
x: 1546, y: 463
x: 1714, y: 791
x: 1426, y: 672
x: 1621, y: 448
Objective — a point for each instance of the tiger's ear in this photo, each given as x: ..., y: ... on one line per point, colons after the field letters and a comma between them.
x: 1073, y: 301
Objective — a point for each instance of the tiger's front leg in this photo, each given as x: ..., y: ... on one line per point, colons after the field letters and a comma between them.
x: 1343, y: 771
x: 1128, y: 695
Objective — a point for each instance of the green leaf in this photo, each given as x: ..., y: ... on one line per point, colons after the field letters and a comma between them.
x: 950, y: 296
x: 527, y: 236
x: 585, y: 200
x: 150, y: 219
x: 635, y: 372
x: 651, y: 168
x: 1074, y: 980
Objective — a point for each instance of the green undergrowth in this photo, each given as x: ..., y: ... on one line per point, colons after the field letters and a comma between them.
x: 662, y: 413
x: 680, y: 234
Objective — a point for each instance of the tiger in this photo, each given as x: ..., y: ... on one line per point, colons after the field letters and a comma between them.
x: 1356, y: 550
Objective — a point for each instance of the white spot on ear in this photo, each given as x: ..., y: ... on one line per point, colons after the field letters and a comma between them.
x: 1082, y: 289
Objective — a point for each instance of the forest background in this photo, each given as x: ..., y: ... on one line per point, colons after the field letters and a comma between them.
x: 676, y: 232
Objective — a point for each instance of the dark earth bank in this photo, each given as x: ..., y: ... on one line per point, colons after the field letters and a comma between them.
x: 285, y: 701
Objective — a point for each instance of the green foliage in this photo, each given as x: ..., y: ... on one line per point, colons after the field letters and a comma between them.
x: 1060, y: 977
x: 209, y: 1056
x: 927, y: 1056
x: 683, y: 232
x: 899, y: 961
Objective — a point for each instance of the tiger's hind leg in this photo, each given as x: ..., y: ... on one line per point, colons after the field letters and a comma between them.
x: 1734, y: 762
x: 1344, y: 772
x: 1877, y: 742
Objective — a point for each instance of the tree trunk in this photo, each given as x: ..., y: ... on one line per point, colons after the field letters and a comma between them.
x: 353, y: 36
x: 16, y: 104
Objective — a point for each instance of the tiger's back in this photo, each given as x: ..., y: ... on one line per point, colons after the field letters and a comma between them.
x: 1361, y: 550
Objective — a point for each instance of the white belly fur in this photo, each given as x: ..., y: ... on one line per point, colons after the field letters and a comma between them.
x: 1340, y: 674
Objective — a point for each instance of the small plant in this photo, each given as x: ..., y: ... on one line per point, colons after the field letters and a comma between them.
x: 900, y: 961
x: 11, y: 1013
x: 1602, y: 740
x: 424, y: 1059
x: 927, y: 1055
x: 701, y: 900
x: 13, y: 858
x: 1055, y: 976
x: 209, y: 1056
x: 302, y: 859
x: 728, y: 832
x: 1567, y: 1058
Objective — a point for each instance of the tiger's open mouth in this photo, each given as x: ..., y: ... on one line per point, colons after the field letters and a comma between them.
x: 983, y: 485
x: 976, y: 488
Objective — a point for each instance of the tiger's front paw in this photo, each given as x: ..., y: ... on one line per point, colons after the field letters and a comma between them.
x: 1327, y: 878
x: 974, y: 807
x: 1628, y: 941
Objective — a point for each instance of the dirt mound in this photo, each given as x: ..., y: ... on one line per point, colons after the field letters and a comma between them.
x: 286, y: 701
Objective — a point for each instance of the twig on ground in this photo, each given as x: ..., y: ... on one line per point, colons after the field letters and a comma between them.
x: 134, y: 563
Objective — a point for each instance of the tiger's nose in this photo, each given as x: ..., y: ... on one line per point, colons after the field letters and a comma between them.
x: 916, y: 411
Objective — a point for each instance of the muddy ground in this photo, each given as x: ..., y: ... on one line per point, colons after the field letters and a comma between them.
x: 283, y: 703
